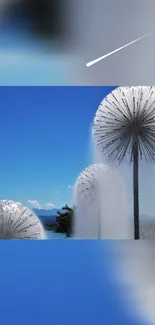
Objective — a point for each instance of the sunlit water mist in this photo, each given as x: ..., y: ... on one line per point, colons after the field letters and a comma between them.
x: 96, y: 155
x: 102, y: 210
x: 133, y: 272
x: 146, y: 180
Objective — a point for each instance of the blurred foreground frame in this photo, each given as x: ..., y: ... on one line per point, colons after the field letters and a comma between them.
x: 45, y: 19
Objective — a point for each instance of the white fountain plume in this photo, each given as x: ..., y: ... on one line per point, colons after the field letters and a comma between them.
x: 134, y: 272
x: 102, y: 210
x: 124, y: 129
x: 18, y: 222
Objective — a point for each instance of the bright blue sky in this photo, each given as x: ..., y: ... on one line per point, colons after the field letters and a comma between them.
x: 45, y: 144
x: 45, y: 140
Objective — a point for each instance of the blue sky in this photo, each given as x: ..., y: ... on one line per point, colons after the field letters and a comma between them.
x: 45, y: 140
x: 45, y: 143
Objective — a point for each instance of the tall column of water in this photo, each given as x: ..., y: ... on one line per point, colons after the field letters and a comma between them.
x: 102, y: 209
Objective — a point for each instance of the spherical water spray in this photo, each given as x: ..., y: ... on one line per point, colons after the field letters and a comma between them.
x: 18, y: 222
x: 124, y: 125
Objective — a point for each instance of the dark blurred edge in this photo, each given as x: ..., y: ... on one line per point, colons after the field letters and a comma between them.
x: 45, y: 19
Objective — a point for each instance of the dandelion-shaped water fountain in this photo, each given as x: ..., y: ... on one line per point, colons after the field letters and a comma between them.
x: 125, y: 125
x: 101, y: 205
x: 18, y: 222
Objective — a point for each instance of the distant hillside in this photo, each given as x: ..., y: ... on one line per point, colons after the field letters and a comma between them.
x: 47, y: 216
x: 147, y: 227
x: 143, y: 217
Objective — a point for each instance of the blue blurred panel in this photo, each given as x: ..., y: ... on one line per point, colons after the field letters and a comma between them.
x: 58, y: 282
x: 26, y: 61
x: 29, y: 75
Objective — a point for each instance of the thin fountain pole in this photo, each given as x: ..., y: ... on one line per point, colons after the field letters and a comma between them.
x: 136, y: 189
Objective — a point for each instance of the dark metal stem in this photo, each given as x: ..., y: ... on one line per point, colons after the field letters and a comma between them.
x: 136, y: 190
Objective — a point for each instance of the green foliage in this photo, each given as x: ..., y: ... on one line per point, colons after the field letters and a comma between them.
x: 64, y: 221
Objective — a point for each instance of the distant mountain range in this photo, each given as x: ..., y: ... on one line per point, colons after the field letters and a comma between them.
x: 147, y: 224
x: 47, y: 216
x: 143, y: 217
